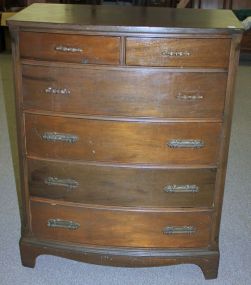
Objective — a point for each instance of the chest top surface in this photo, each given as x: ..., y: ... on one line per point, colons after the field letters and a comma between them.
x: 127, y: 19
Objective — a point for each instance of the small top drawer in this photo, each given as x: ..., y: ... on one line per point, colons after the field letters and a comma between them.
x: 212, y: 53
x: 70, y: 48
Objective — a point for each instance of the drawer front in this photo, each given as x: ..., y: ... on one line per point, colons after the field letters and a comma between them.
x: 120, y: 227
x: 133, y: 92
x: 121, y: 186
x: 212, y: 53
x: 122, y: 142
x: 70, y: 48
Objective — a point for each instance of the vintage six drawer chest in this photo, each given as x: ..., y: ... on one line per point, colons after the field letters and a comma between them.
x: 123, y: 117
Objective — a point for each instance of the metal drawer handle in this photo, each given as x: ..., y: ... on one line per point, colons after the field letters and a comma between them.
x: 58, y: 223
x: 181, y: 188
x: 51, y: 90
x: 68, y: 49
x: 170, y: 230
x: 175, y: 143
x: 52, y: 136
x: 189, y: 96
x: 171, y: 53
x: 67, y: 183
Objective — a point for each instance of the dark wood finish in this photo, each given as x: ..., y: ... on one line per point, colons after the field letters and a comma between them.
x: 121, y: 159
x: 22, y: 188
x: 203, y: 52
x: 130, y: 92
x: 208, y: 261
x: 127, y: 19
x: 111, y: 227
x: 122, y: 142
x: 102, y: 50
x: 223, y: 157
x: 121, y: 186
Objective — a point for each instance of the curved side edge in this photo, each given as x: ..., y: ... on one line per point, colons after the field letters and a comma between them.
x: 208, y: 261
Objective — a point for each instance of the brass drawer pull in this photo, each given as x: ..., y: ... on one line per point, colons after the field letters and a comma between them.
x: 189, y: 96
x: 181, y: 188
x: 175, y: 143
x: 171, y: 53
x: 68, y: 49
x: 170, y: 230
x: 58, y: 223
x: 52, y: 136
x: 67, y: 183
x: 51, y: 90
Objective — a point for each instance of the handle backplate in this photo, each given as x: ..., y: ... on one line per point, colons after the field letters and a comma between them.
x: 190, y: 143
x: 58, y: 223
x: 181, y: 188
x: 57, y: 91
x: 174, y: 53
x: 68, y: 49
x: 53, y: 136
x: 189, y: 96
x: 67, y: 183
x: 170, y: 230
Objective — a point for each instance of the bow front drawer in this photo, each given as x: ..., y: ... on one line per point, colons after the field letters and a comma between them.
x: 212, y: 53
x: 130, y: 92
x: 110, y: 227
x: 121, y: 186
x: 70, y: 48
x: 122, y: 142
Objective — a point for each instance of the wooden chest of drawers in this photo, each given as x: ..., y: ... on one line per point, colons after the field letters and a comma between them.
x: 124, y: 120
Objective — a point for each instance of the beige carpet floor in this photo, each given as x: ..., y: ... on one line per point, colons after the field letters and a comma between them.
x: 235, y: 237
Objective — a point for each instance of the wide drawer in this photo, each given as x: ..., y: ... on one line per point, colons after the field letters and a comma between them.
x: 70, y: 48
x: 121, y: 186
x: 123, y: 142
x: 129, y: 92
x: 188, y: 52
x: 129, y: 228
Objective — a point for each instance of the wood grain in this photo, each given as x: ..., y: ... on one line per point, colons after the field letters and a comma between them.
x: 120, y: 228
x: 224, y: 146
x: 122, y: 108
x: 122, y: 142
x: 203, y: 52
x: 101, y: 50
x: 207, y: 260
x: 121, y: 186
x: 125, y: 92
x: 110, y: 19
